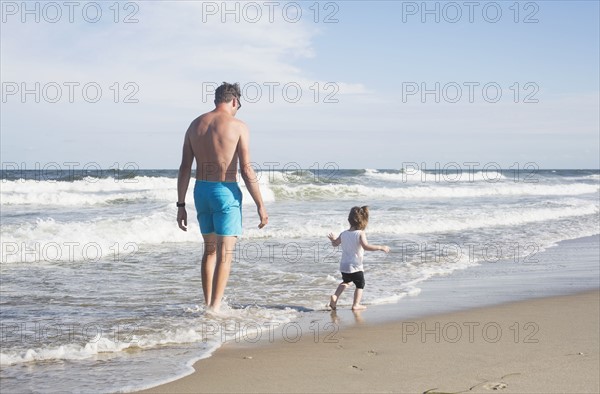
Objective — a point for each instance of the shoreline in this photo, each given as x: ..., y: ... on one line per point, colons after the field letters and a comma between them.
x: 392, y: 320
x: 523, y: 346
x: 504, y: 282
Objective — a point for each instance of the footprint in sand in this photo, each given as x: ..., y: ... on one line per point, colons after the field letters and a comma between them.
x: 495, y: 386
x: 485, y: 384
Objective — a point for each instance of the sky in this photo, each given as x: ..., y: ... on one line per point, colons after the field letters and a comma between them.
x: 353, y: 84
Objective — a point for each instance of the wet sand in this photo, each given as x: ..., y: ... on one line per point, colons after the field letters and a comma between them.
x: 545, y: 345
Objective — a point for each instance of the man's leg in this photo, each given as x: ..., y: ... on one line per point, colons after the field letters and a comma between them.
x: 209, y: 260
x: 225, y: 251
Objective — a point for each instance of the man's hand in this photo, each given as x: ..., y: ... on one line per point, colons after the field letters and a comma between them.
x: 182, y: 218
x: 264, y: 218
x: 386, y: 249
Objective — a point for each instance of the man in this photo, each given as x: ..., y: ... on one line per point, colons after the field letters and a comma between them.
x: 218, y: 142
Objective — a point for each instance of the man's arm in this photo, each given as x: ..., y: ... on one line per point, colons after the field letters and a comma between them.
x: 249, y: 176
x: 183, y: 180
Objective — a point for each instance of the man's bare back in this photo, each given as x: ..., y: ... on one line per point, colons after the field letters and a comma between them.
x: 214, y: 139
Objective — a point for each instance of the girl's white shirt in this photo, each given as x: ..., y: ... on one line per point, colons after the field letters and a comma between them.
x: 352, y: 252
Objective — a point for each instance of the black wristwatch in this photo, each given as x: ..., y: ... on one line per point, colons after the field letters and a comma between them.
x: 180, y: 205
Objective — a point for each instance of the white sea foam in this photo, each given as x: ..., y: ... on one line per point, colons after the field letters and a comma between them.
x: 349, y: 192
x: 416, y: 175
x: 442, y: 223
x: 105, y: 191
x: 73, y: 351
x: 231, y: 324
x: 48, y: 239
x: 273, y: 185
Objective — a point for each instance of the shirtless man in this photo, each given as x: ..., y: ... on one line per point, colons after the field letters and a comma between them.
x: 217, y: 140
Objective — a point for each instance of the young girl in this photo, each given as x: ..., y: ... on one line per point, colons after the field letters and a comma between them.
x: 354, y: 243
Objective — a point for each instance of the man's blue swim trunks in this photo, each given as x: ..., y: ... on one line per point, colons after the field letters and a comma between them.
x: 219, y: 207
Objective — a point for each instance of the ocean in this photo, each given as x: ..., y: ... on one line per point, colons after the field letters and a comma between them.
x: 100, y: 290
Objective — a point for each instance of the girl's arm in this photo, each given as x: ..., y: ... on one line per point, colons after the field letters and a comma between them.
x: 334, y: 241
x: 371, y: 248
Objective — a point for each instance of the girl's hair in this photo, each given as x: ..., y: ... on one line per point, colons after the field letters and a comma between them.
x: 359, y: 217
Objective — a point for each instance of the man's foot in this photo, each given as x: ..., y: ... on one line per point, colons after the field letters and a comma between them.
x: 211, y: 311
x: 358, y: 307
x: 214, y: 310
x: 217, y: 314
x: 332, y: 302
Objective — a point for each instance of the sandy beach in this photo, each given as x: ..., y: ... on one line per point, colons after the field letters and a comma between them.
x: 470, y: 130
x: 545, y: 345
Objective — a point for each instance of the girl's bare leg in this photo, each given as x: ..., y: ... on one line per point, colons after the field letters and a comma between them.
x: 357, y: 297
x: 334, y: 298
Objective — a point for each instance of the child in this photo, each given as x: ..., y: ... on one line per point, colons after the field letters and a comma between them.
x: 354, y: 243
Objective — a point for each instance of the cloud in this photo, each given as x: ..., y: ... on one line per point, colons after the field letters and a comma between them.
x: 168, y: 52
x: 176, y: 53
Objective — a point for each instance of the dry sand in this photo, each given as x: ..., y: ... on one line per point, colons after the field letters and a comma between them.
x: 547, y: 345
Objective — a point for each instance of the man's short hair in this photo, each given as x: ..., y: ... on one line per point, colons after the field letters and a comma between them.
x: 226, y: 92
